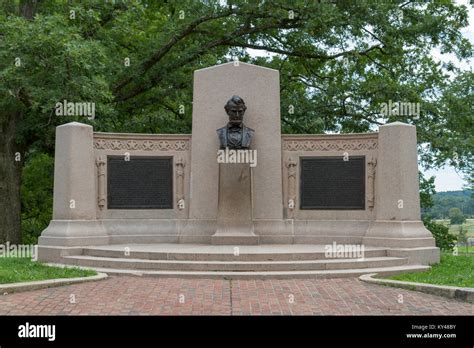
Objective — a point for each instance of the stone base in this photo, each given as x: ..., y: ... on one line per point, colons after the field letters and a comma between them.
x: 399, y: 234
x: 408, y: 239
x: 221, y: 261
x: 234, y: 239
x: 48, y: 253
x: 116, y: 231
x: 398, y: 229
x: 74, y: 233
x: 399, y: 242
x: 417, y: 256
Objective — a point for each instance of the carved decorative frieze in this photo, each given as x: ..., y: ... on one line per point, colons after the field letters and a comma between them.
x: 291, y: 165
x: 101, y: 162
x: 139, y: 144
x: 330, y: 144
x: 180, y: 164
x: 371, y: 164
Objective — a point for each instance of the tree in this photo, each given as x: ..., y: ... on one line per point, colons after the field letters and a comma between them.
x: 456, y: 217
x: 10, y: 150
x: 462, y: 236
x: 36, y: 196
x: 427, y: 191
x: 339, y: 61
x: 443, y: 201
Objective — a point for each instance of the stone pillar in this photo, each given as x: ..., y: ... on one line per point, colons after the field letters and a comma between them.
x: 180, y: 164
x: 371, y: 170
x: 75, y: 189
x: 234, y: 218
x: 291, y: 188
x: 101, y: 162
x: 397, y: 198
x: 260, y: 89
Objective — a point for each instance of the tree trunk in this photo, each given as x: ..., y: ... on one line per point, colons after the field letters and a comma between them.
x: 28, y: 8
x: 10, y: 179
x: 11, y: 157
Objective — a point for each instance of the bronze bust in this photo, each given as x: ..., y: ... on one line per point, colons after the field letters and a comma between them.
x: 235, y: 135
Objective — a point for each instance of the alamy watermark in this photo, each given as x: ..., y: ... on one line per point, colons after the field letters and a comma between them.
x: 66, y: 108
x: 344, y: 251
x: 28, y: 330
x: 19, y: 251
x: 400, y: 109
x: 237, y: 156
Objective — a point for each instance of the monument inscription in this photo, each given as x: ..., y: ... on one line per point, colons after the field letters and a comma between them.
x: 140, y: 183
x: 332, y: 183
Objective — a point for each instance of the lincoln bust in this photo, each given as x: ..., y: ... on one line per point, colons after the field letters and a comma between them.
x: 235, y: 135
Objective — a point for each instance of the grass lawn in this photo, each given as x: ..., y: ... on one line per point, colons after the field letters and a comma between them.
x: 452, y: 270
x: 466, y: 249
x: 15, y: 270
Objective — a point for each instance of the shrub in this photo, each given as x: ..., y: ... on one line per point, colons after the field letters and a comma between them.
x: 444, y: 240
x: 36, y: 196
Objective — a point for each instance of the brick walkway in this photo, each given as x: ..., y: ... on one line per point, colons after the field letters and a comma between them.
x: 171, y: 296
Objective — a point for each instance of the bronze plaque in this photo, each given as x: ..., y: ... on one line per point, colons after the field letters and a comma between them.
x: 140, y: 183
x: 330, y: 183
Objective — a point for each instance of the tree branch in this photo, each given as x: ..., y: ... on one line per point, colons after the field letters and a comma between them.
x: 223, y: 41
x: 158, y: 55
x: 302, y: 54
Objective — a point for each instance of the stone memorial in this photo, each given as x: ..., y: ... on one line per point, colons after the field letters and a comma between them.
x: 234, y: 212
x: 245, y: 184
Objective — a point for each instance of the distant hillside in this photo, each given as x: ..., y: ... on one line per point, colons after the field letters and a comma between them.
x: 460, y: 193
x: 443, y: 201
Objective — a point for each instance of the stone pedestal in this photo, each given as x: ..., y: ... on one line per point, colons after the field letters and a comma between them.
x: 397, y: 202
x: 260, y: 89
x: 235, y: 204
x: 234, y: 216
x: 75, y: 190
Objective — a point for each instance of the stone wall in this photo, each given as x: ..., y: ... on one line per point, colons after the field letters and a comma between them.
x: 296, y: 146
x: 390, y: 215
x: 178, y: 147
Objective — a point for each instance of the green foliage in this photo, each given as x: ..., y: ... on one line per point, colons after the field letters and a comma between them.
x: 36, y: 196
x: 455, y: 136
x: 452, y: 270
x: 456, y: 216
x: 338, y: 62
x: 427, y: 190
x: 15, y: 270
x: 443, y: 201
x: 444, y: 240
x: 462, y: 235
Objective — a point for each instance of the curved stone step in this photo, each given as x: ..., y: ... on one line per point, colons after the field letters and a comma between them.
x: 196, y: 252
x: 234, y: 266
x: 383, y: 271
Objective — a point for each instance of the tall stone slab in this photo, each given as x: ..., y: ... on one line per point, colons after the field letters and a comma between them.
x: 260, y: 89
x: 74, y: 173
x: 397, y: 201
x: 75, y: 190
x: 234, y: 216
